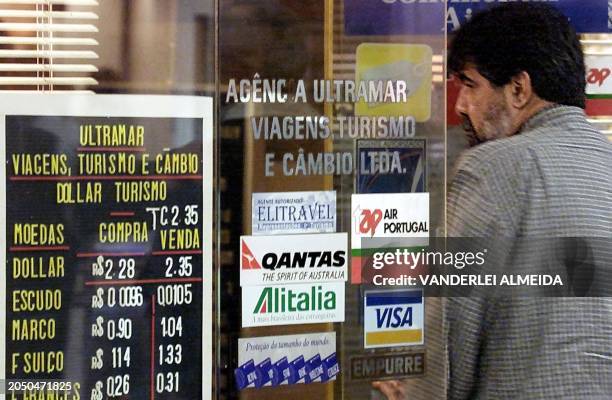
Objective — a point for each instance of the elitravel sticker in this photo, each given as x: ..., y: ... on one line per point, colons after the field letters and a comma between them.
x: 293, y: 259
x: 283, y: 360
x: 393, y: 318
x: 294, y: 212
x: 292, y: 304
x: 385, y: 222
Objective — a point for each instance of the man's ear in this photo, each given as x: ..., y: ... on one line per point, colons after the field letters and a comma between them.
x: 519, y: 90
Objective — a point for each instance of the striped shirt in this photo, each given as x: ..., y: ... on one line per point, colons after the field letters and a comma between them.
x: 553, y: 180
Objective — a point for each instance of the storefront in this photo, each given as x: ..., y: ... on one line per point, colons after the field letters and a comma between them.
x: 196, y: 191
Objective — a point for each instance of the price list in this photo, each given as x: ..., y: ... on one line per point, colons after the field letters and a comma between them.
x: 104, y: 257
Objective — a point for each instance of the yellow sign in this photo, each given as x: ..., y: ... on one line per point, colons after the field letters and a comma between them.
x: 391, y: 66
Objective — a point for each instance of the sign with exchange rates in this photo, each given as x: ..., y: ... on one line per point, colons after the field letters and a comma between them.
x: 106, y: 237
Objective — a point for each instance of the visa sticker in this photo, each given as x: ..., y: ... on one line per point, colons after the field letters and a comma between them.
x: 393, y: 318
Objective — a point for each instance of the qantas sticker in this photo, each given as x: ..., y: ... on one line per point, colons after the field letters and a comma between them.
x: 273, y: 260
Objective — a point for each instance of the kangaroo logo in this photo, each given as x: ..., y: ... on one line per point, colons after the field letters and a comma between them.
x: 248, y: 259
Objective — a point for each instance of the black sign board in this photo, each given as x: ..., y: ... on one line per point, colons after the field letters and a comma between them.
x: 104, y: 256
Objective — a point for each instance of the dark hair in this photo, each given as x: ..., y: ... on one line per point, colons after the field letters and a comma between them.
x: 536, y: 38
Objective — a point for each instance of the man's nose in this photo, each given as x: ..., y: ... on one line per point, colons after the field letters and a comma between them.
x: 460, y: 104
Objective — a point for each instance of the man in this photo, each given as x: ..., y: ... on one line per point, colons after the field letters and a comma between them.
x: 537, y: 188
x: 537, y: 171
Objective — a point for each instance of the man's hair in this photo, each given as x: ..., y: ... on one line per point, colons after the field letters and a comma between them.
x: 536, y: 38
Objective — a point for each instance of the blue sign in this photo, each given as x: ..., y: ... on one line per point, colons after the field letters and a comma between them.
x: 587, y: 16
x: 427, y: 17
x: 393, y: 17
x: 411, y: 179
x: 298, y: 370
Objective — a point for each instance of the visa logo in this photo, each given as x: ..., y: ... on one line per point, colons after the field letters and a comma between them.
x: 394, y: 317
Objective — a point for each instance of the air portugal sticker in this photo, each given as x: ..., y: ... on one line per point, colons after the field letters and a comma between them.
x: 389, y: 215
x: 274, y: 260
x: 386, y: 221
x: 393, y: 318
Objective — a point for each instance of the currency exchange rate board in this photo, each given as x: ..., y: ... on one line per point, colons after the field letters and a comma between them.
x: 104, y: 257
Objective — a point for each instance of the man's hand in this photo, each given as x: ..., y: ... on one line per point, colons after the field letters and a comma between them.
x: 393, y: 390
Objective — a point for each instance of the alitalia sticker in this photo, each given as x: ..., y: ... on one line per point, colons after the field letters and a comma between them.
x: 294, y: 212
x: 275, y: 260
x: 393, y: 318
x: 292, y: 304
x: 286, y: 360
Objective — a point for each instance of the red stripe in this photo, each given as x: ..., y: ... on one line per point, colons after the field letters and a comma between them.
x: 122, y: 213
x: 38, y: 248
x: 142, y: 281
x: 175, y: 252
x: 356, y: 270
x: 84, y: 255
x: 597, y: 107
x: 101, y: 149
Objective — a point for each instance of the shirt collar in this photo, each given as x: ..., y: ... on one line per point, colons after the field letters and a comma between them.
x: 555, y: 113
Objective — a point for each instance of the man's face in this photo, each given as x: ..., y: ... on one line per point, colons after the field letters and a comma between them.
x: 483, y: 107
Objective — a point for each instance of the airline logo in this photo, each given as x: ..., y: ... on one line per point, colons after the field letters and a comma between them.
x: 369, y: 220
x: 275, y: 299
x: 399, y: 215
x: 292, y: 304
x: 248, y: 259
x: 386, y: 221
x: 279, y: 260
x: 599, y: 80
x: 393, y: 318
